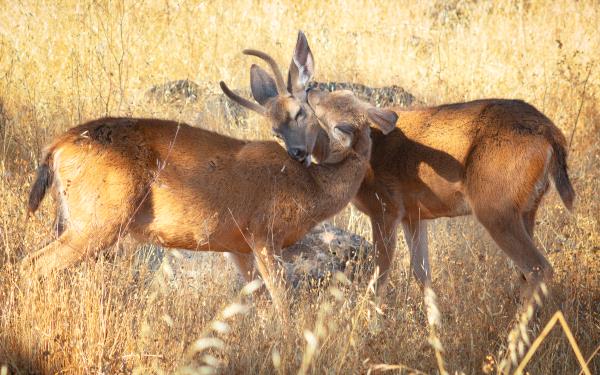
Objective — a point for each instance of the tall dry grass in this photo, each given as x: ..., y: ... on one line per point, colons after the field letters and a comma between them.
x: 65, y: 62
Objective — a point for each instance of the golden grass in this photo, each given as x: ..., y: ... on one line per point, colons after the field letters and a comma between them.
x: 65, y: 62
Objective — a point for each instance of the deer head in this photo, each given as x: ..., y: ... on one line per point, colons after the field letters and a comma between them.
x: 345, y: 123
x: 292, y: 119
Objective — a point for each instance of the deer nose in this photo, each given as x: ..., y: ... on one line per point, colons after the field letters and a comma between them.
x: 297, y: 153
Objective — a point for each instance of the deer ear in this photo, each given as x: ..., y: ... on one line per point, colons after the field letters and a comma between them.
x: 385, y: 119
x: 344, y: 133
x: 302, y: 67
x: 262, y: 84
x: 314, y: 98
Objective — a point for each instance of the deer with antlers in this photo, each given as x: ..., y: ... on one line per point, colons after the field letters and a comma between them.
x: 491, y: 158
x: 182, y: 187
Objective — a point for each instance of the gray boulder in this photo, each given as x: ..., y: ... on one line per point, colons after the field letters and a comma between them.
x: 310, y: 262
x: 212, y: 105
x: 175, y: 92
x: 217, y: 106
x: 387, y: 96
x: 325, y: 250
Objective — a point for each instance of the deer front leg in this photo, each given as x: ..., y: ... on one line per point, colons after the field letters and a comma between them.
x: 274, y: 278
x: 244, y: 264
x: 415, y: 233
x: 384, y: 237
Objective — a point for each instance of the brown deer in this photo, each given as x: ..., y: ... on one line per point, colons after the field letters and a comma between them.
x: 491, y: 158
x: 183, y: 187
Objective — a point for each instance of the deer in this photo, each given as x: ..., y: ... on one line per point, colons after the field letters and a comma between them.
x: 491, y: 158
x: 179, y: 186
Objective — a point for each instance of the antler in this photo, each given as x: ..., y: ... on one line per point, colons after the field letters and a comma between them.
x: 244, y: 102
x: 281, y: 86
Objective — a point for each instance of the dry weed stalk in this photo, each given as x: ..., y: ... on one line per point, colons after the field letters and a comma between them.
x: 434, y: 322
x: 219, y: 325
x: 559, y: 318
x: 518, y: 337
x: 385, y: 367
x: 324, y: 324
x: 587, y: 362
x: 363, y: 305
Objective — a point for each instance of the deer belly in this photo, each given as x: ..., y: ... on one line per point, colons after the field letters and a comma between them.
x: 176, y: 222
x: 433, y: 202
x: 197, y: 237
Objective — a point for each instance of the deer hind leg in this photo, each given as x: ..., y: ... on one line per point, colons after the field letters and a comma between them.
x: 54, y: 256
x: 415, y: 233
x: 96, y: 205
x: 508, y: 230
x: 90, y: 229
x: 76, y: 242
x: 506, y: 203
x: 529, y: 214
x: 69, y: 249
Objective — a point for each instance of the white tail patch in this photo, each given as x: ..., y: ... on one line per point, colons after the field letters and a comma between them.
x: 60, y: 189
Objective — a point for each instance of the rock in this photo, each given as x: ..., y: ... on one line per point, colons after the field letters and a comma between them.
x: 324, y: 251
x: 208, y: 105
x: 212, y: 105
x: 219, y: 107
x: 386, y: 96
x: 180, y: 91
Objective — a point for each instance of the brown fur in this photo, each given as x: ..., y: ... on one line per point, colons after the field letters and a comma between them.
x: 491, y: 158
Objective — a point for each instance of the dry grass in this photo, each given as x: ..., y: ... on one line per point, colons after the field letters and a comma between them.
x: 63, y: 63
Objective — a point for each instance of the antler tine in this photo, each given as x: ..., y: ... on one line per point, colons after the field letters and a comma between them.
x: 281, y: 86
x: 242, y: 101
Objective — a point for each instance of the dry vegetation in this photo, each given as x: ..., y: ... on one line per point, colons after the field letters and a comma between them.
x: 65, y: 62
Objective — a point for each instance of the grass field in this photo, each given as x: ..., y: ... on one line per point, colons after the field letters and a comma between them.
x: 65, y: 62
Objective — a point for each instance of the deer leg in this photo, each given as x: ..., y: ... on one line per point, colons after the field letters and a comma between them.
x: 56, y: 255
x: 415, y: 233
x: 98, y: 204
x: 529, y: 223
x: 273, y: 276
x: 244, y: 264
x: 86, y: 233
x: 384, y: 238
x: 69, y: 249
x: 510, y: 232
x: 529, y: 215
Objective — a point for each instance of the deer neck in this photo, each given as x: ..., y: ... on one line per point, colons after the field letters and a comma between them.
x: 339, y: 182
x: 321, y: 149
x: 362, y: 146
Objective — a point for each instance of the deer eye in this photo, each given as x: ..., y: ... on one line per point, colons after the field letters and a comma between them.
x: 276, y: 134
x: 300, y: 115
